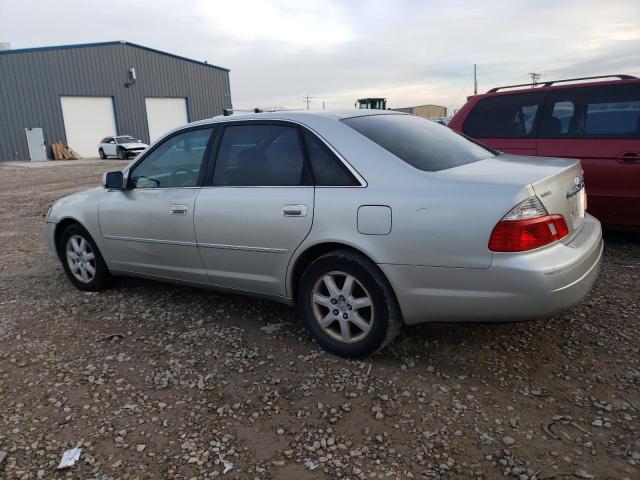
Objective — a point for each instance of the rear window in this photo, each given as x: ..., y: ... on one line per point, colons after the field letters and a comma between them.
x: 421, y: 143
x: 505, y: 116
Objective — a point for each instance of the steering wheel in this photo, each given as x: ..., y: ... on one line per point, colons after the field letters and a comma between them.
x: 182, y: 177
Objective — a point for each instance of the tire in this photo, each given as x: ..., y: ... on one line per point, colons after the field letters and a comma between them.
x: 370, y: 328
x: 122, y: 155
x: 101, y: 153
x: 72, y: 240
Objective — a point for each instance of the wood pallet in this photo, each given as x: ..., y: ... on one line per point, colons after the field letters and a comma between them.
x: 63, y: 152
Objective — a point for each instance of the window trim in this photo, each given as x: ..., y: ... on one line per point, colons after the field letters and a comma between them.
x: 537, y: 121
x: 206, y: 156
x: 300, y: 127
x: 304, y: 130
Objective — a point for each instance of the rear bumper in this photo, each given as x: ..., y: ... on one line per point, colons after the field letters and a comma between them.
x: 517, y: 286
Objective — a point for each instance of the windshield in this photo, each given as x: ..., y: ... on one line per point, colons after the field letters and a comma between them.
x: 421, y: 143
x: 125, y: 139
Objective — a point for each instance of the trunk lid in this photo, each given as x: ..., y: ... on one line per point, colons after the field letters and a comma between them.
x: 557, y: 182
x: 564, y: 194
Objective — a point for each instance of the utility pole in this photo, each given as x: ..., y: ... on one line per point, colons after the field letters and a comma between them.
x: 475, y: 79
x: 307, y: 100
x: 535, y: 77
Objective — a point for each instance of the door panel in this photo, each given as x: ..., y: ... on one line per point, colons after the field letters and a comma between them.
x: 36, y: 144
x: 149, y: 227
x: 150, y: 231
x: 111, y: 148
x: 600, y: 125
x: 259, y: 209
x: 246, y: 235
x: 612, y: 184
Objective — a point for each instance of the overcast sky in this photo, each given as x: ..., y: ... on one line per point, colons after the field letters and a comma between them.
x: 412, y: 52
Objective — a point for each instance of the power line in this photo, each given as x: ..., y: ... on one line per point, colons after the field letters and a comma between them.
x: 490, y: 80
x: 464, y: 87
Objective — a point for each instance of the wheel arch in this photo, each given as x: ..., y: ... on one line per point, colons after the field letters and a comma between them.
x: 311, y: 253
x: 61, y: 226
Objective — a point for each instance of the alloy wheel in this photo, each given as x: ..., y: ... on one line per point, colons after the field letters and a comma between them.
x: 342, y: 307
x: 80, y: 258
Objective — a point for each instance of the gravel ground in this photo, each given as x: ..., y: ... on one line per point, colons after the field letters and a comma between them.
x: 190, y: 384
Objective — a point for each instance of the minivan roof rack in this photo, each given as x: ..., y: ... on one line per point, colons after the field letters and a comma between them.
x: 551, y: 82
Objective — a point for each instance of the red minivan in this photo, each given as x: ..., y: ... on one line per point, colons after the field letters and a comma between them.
x: 593, y: 119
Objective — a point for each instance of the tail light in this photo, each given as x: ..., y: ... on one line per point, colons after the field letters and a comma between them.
x: 527, y: 226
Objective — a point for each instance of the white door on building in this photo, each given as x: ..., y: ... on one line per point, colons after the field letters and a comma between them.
x: 164, y: 114
x: 87, y: 120
x: 35, y: 142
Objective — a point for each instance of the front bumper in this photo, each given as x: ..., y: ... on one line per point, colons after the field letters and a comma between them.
x: 48, y: 233
x: 517, y: 286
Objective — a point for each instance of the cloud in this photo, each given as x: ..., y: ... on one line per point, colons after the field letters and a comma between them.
x: 411, y: 51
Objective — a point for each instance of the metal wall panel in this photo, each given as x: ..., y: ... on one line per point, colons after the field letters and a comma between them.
x: 32, y: 81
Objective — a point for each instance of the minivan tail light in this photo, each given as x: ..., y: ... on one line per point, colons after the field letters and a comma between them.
x: 526, y: 227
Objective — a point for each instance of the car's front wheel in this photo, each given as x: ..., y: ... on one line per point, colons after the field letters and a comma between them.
x: 122, y: 154
x: 82, y: 260
x: 101, y: 153
x: 348, y: 304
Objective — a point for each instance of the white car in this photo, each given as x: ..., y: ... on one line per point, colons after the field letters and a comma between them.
x: 123, y: 147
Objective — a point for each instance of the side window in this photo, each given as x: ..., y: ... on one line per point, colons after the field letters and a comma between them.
x: 561, y: 116
x: 611, y: 111
x: 260, y: 155
x: 111, y: 140
x: 174, y: 163
x: 504, y: 116
x: 327, y: 169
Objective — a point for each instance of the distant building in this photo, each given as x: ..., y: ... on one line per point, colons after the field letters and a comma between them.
x: 82, y: 93
x: 424, y: 111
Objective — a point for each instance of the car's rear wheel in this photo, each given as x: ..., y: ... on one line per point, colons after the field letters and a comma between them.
x: 348, y: 305
x: 122, y: 155
x: 82, y: 260
x: 101, y: 153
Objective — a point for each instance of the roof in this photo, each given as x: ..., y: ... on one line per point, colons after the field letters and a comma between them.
x: 300, y: 115
x: 104, y: 44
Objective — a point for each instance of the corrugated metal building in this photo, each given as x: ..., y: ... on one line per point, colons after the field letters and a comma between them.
x: 82, y: 93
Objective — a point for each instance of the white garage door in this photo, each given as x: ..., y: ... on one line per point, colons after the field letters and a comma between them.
x: 164, y: 114
x: 86, y: 121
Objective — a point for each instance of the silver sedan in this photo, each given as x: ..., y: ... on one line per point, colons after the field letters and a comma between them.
x: 366, y: 220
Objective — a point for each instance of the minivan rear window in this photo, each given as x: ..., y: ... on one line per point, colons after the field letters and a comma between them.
x: 421, y: 143
x: 505, y: 116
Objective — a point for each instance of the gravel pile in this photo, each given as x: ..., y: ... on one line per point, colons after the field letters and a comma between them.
x: 160, y: 381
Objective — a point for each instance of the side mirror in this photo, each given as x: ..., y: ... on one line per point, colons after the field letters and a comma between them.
x: 113, y: 180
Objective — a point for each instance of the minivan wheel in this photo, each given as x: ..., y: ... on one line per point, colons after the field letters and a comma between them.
x: 82, y: 260
x: 348, y: 305
x: 101, y: 153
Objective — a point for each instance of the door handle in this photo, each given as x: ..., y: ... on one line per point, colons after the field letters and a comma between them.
x: 178, y: 210
x: 629, y: 157
x: 294, y: 210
